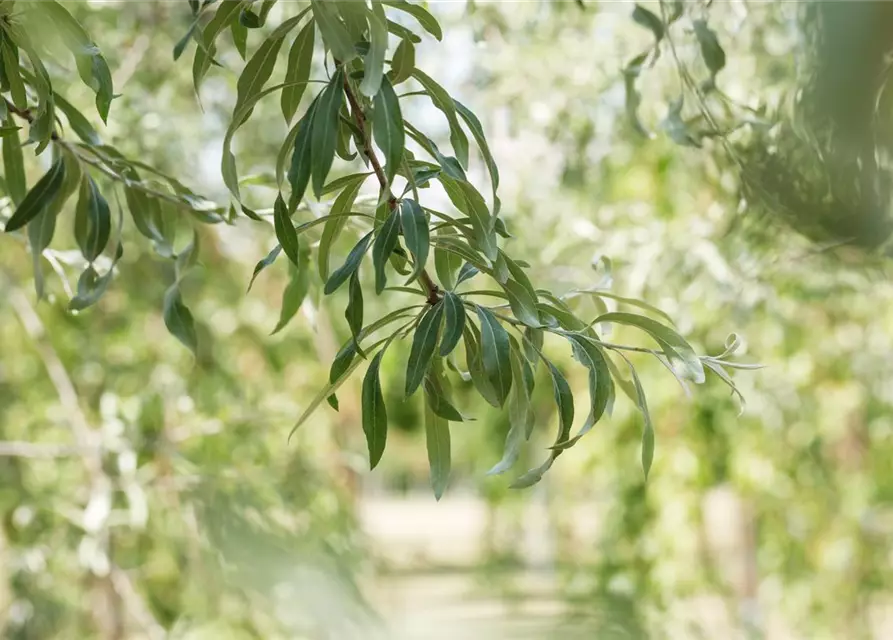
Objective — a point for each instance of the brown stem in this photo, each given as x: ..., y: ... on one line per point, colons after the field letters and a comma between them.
x: 360, y: 119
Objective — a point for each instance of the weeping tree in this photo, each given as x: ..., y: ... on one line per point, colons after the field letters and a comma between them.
x: 341, y: 73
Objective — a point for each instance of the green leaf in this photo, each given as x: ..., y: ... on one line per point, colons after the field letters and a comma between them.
x: 263, y: 264
x: 424, y: 342
x: 633, y: 97
x: 455, y: 323
x: 296, y: 289
x: 239, y: 33
x: 520, y: 417
x: 402, y: 62
x: 674, y: 346
x: 92, y: 220
x: 628, y: 301
x: 711, y: 50
x: 477, y: 130
x: 649, y: 20
x: 467, y: 200
x: 325, y: 131
x: 183, y: 42
x: 564, y: 399
x: 415, y: 233
x: 677, y: 128
x: 92, y: 67
x: 260, y: 68
x: 601, y: 386
x: 648, y: 427
x: 14, y: 168
x: 375, y: 415
x: 378, y: 47
x: 285, y: 230
x: 227, y: 12
x: 334, y: 225
x: 40, y: 196
x: 436, y: 394
x: 91, y: 285
x: 446, y: 264
x: 387, y: 127
x: 354, y: 311
x: 474, y: 363
x: 495, y: 354
x: 301, y: 159
x: 78, y: 123
x: 385, y: 242
x: 178, y: 319
x: 467, y: 272
x: 442, y: 100
x: 10, y: 54
x: 40, y: 234
x: 428, y: 22
x: 448, y: 164
x: 334, y: 33
x: 523, y: 306
x: 437, y: 437
x: 350, y: 265
x: 300, y: 58
x: 533, y: 344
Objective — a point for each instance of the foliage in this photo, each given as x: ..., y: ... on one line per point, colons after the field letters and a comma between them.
x: 356, y: 107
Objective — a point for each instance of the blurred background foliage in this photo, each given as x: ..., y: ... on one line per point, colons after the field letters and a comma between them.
x: 147, y: 494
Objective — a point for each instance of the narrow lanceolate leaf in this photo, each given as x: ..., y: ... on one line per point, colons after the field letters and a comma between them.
x: 436, y: 389
x: 520, y: 417
x: 674, y: 346
x: 14, y: 167
x: 437, y: 437
x: 239, y: 33
x: 92, y: 220
x: 78, y: 123
x: 91, y: 286
x: 445, y: 104
x: 402, y: 62
x: 467, y: 200
x: 375, y: 415
x: 297, y: 73
x: 477, y: 130
x: 334, y: 33
x: 387, y: 127
x: 324, y: 135
x: 296, y: 289
x: 301, y: 159
x: 260, y: 66
x: 564, y: 400
x: 350, y: 265
x: 446, y: 264
x: 91, y: 65
x: 601, y: 385
x: 455, y: 323
x: 264, y: 263
x: 648, y: 427
x: 354, y: 311
x: 495, y: 354
x: 40, y: 234
x: 178, y: 319
x: 378, y: 47
x: 649, y: 20
x: 227, y: 12
x: 415, y: 234
x: 711, y: 50
x: 10, y: 58
x: 424, y: 343
x: 334, y: 225
x: 385, y: 242
x: 475, y: 365
x: 428, y: 22
x: 522, y: 304
x: 285, y: 230
x: 41, y: 194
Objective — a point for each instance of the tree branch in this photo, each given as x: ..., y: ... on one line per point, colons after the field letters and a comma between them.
x: 359, y: 116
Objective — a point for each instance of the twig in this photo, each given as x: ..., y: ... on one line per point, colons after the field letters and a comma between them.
x: 359, y: 116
